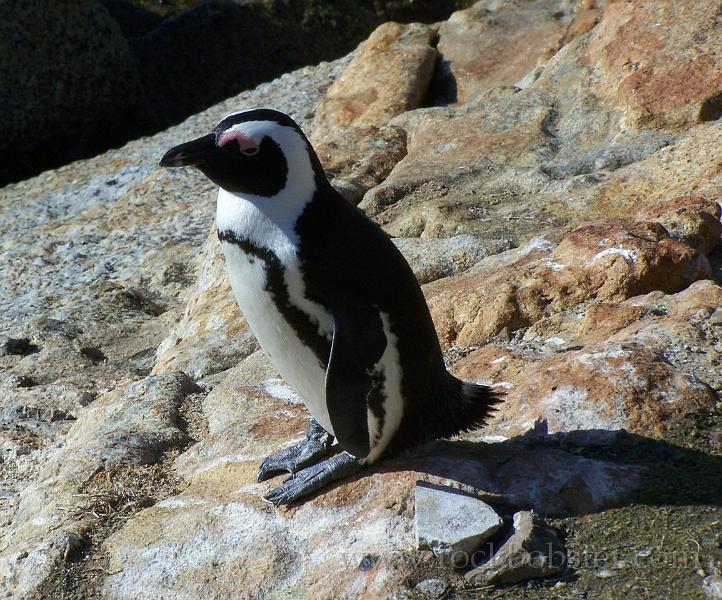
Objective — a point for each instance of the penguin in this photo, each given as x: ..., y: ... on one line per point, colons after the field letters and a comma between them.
x: 332, y: 302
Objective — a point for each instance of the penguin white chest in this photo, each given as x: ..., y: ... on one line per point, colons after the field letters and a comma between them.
x: 268, y: 287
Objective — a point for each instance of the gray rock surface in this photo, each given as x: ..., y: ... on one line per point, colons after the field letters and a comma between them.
x: 712, y: 587
x: 448, y: 521
x: 52, y: 517
x: 434, y: 258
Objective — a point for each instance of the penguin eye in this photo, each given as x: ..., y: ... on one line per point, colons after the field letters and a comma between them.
x: 250, y: 150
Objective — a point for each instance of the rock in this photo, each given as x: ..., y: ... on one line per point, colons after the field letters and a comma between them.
x: 449, y: 521
x: 712, y: 587
x: 590, y: 389
x: 521, y: 164
x: 641, y: 54
x: 692, y: 220
x: 533, y: 550
x: 368, y: 95
x: 605, y: 574
x: 432, y: 588
x: 359, y: 158
x: 665, y: 340
x: 65, y: 68
x: 497, y: 43
x: 125, y: 429
x: 601, y: 262
x: 435, y: 258
x: 309, y: 548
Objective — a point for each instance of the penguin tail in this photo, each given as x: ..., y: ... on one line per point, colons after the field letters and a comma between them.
x: 474, y: 404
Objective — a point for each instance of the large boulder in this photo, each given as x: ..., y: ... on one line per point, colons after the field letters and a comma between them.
x: 68, y: 85
x: 221, y: 47
x: 77, y: 78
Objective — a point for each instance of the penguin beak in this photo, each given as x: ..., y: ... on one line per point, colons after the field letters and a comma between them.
x: 191, y: 153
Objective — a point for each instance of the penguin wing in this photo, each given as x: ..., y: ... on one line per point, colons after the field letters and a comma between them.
x: 358, y: 344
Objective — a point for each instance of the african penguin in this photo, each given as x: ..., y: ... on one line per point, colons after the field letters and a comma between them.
x: 332, y: 302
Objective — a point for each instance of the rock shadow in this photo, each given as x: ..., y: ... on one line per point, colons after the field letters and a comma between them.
x: 568, y: 474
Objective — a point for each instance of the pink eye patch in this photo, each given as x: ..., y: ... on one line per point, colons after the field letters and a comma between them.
x: 245, y: 143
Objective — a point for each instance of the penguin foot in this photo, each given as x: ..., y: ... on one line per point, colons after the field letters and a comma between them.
x: 313, y: 478
x: 316, y: 446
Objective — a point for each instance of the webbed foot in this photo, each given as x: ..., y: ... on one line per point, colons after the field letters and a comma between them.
x: 313, y: 478
x: 316, y: 446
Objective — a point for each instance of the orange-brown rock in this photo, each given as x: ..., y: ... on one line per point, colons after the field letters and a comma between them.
x: 626, y: 259
x: 389, y: 76
x: 638, y: 365
x: 659, y: 59
x: 359, y: 158
x: 541, y: 160
x: 685, y: 327
x: 597, y: 262
x: 492, y: 44
x: 691, y: 219
x: 608, y: 385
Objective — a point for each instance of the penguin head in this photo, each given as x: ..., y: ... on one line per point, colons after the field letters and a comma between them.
x: 258, y: 152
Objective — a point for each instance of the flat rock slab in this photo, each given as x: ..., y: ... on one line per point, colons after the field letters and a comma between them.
x: 532, y: 551
x: 449, y: 520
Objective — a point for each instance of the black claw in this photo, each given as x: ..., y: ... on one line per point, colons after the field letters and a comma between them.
x: 313, y: 478
x: 316, y: 446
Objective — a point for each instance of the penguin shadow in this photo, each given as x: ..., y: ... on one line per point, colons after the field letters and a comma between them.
x: 562, y: 474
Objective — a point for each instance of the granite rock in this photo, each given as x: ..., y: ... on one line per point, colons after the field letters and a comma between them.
x: 533, y: 550
x: 493, y: 43
x: 432, y: 588
x: 388, y: 76
x: 126, y: 429
x: 357, y: 159
x: 448, y: 521
x: 657, y: 60
x: 712, y: 587
x: 598, y: 262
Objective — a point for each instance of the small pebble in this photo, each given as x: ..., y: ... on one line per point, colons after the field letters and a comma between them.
x: 433, y: 588
x: 367, y: 562
x: 605, y: 574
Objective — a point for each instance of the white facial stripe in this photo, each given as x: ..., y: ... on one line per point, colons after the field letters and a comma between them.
x: 251, y: 215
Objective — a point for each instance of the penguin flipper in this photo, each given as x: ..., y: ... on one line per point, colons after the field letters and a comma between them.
x: 358, y: 344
